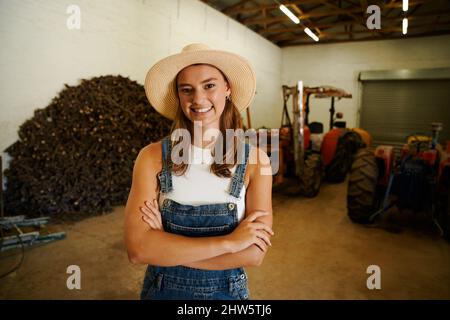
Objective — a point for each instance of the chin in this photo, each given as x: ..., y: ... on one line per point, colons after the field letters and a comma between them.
x: 208, y: 122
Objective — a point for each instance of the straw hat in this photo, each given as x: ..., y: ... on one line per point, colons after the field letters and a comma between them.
x: 160, y: 80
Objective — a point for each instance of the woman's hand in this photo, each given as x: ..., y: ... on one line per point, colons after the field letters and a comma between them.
x: 250, y: 232
x: 151, y: 215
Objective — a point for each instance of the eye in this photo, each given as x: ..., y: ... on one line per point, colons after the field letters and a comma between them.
x: 210, y: 85
x: 185, y: 90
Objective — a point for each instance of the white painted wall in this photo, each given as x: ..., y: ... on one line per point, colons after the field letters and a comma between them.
x: 39, y: 53
x: 340, y: 64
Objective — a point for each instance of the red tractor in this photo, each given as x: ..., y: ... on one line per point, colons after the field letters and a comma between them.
x: 417, y: 180
x: 306, y: 152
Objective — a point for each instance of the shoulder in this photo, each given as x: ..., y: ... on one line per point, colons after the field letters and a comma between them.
x: 258, y: 157
x: 258, y: 162
x: 153, y: 150
x: 150, y: 155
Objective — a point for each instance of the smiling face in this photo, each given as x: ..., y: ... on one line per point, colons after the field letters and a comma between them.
x: 202, y: 90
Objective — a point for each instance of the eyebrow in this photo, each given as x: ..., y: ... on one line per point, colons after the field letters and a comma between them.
x: 204, y: 81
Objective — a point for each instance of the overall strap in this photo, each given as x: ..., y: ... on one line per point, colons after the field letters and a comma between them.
x: 165, y: 176
x: 237, y: 181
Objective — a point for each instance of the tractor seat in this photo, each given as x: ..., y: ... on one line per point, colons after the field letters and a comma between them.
x: 316, y: 127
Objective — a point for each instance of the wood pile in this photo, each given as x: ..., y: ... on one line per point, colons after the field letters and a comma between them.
x: 75, y: 157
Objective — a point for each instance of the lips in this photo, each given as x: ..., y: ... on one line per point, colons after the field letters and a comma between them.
x: 201, y: 110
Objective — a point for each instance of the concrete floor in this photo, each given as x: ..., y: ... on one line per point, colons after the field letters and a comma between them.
x: 317, y: 253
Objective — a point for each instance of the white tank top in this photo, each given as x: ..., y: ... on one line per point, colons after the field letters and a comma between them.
x: 200, y: 186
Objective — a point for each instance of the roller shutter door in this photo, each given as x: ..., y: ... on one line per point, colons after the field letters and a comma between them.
x: 393, y: 109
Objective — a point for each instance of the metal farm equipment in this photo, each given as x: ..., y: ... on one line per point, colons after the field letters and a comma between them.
x: 417, y: 180
x: 25, y: 239
x: 20, y: 232
x: 305, y: 151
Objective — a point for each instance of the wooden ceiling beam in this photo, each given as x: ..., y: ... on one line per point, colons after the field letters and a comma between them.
x: 238, y: 5
x: 411, y: 16
x: 330, y: 35
x: 359, y: 20
x: 350, y: 19
x: 296, y: 43
x: 301, y: 13
x: 390, y: 29
x: 254, y: 16
x: 364, y: 5
x: 253, y: 21
x: 346, y: 11
x: 353, y: 3
x: 341, y: 23
x: 268, y: 7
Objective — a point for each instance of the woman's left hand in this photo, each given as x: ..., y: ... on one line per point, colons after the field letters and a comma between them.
x: 151, y: 215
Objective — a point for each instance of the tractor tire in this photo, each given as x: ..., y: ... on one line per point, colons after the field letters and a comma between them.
x: 346, y: 148
x: 443, y: 203
x: 445, y: 218
x: 311, y: 178
x: 362, y: 187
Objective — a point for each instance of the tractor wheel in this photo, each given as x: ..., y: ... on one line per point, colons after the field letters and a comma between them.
x: 362, y: 187
x: 346, y: 148
x: 311, y: 178
x: 446, y: 218
x: 443, y: 203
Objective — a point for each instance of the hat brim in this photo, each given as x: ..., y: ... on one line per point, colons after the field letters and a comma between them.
x: 160, y: 80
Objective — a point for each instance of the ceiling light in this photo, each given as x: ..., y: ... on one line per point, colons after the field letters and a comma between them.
x: 289, y: 14
x: 405, y: 5
x: 405, y: 25
x: 311, y: 34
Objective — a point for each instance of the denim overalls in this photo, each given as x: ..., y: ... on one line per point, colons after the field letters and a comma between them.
x: 184, y: 283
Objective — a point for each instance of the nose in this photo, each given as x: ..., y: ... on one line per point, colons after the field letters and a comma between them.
x: 198, y: 97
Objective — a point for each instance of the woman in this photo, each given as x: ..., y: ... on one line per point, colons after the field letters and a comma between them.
x: 197, y: 223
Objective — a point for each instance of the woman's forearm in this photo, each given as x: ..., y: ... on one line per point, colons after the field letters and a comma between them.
x: 161, y: 248
x: 245, y: 258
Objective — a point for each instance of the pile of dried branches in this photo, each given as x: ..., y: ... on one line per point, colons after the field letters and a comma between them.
x: 76, y: 156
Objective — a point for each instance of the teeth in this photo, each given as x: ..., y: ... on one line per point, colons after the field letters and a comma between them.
x: 202, y: 110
